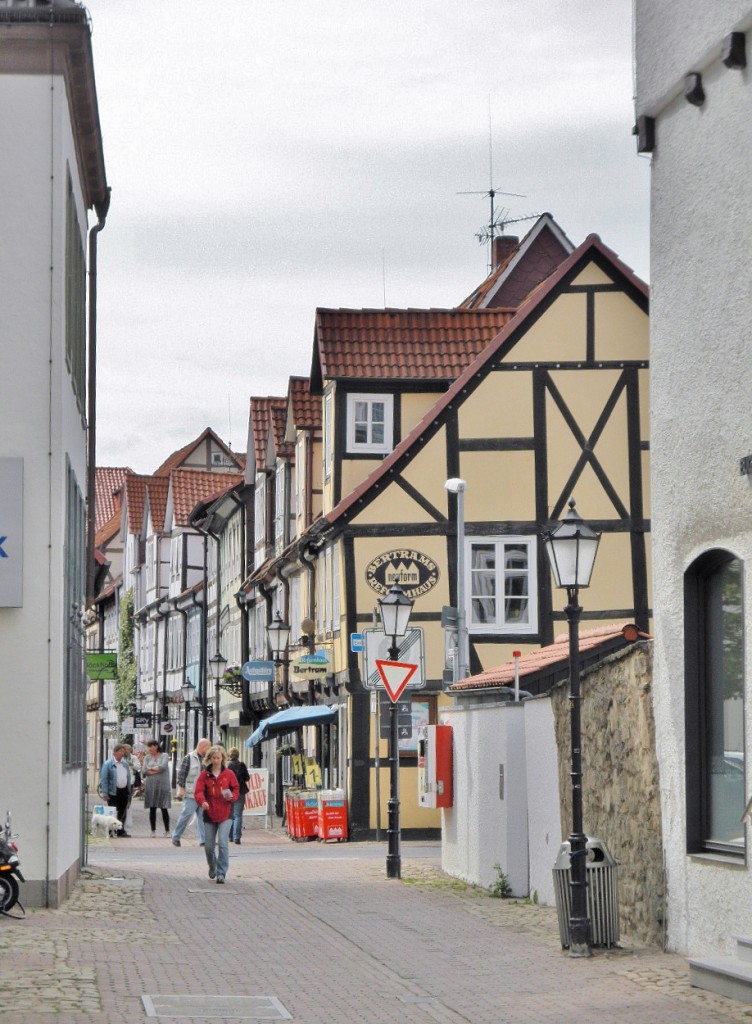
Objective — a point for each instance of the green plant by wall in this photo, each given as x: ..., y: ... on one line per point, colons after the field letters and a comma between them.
x: 125, y: 682
x: 501, y: 889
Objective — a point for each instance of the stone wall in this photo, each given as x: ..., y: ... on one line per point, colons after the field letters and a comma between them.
x: 621, y: 800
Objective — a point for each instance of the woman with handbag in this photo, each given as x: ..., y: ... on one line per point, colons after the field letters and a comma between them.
x: 157, y: 790
x: 216, y: 791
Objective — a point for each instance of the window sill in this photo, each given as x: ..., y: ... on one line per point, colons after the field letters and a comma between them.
x: 726, y: 860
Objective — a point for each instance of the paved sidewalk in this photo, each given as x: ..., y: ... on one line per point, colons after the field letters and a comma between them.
x: 316, y: 934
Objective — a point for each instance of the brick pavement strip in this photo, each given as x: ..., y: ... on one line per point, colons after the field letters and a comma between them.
x: 324, y: 932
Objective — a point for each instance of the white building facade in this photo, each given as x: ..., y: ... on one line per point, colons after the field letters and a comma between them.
x: 694, y: 115
x: 51, y: 175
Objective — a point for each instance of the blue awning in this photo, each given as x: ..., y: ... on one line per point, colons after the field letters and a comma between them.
x: 291, y: 718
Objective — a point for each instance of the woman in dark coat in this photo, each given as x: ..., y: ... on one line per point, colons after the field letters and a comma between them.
x: 155, y: 772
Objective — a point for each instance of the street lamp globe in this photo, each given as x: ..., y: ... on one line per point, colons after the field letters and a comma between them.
x: 571, y: 549
x: 188, y: 690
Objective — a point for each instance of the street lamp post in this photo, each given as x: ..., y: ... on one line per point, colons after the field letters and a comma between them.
x: 572, y: 547
x: 189, y: 691
x: 217, y: 664
x: 395, y: 611
x: 462, y: 660
x: 278, y: 637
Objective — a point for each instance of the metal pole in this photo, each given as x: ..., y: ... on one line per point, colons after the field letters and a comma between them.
x: 463, y: 667
x: 579, y: 930
x: 393, y: 857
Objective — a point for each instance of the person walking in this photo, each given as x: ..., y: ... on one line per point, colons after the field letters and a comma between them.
x: 155, y: 772
x: 240, y: 770
x: 190, y: 768
x: 216, y: 791
x: 116, y: 780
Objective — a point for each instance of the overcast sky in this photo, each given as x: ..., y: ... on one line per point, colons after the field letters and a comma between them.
x: 270, y: 156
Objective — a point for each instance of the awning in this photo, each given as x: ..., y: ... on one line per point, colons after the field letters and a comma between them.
x: 291, y: 718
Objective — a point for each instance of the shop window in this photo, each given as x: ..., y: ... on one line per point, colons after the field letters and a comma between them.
x: 714, y: 704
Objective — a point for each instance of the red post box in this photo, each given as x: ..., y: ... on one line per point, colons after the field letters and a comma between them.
x: 435, y: 766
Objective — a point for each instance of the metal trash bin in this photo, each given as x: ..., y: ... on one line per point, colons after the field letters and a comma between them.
x: 602, y: 894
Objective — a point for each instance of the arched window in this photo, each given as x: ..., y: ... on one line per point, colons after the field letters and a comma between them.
x: 714, y: 702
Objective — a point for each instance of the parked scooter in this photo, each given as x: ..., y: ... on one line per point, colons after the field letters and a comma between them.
x: 10, y: 872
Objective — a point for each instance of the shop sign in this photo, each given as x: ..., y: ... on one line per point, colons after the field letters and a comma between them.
x: 258, y: 671
x: 101, y: 666
x: 415, y: 572
x: 142, y: 720
x: 257, y: 797
x: 310, y: 666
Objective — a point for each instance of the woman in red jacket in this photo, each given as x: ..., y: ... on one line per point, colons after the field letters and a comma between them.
x: 216, y: 790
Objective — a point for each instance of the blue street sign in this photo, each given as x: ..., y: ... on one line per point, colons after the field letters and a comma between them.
x: 356, y: 642
x: 258, y: 671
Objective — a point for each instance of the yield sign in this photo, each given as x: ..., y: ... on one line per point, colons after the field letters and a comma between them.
x: 395, y: 675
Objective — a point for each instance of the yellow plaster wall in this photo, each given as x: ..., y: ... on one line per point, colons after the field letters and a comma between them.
x: 501, y: 406
x: 354, y: 471
x: 585, y: 393
x: 427, y: 471
x: 592, y: 274
x: 500, y: 485
x: 621, y: 328
x: 611, y: 583
x: 560, y: 333
x: 414, y: 407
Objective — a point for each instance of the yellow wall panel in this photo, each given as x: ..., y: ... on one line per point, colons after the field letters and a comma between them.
x: 500, y: 485
x: 427, y: 472
x: 644, y: 381
x: 560, y: 333
x: 611, y: 583
x: 393, y: 505
x: 414, y: 407
x: 501, y: 406
x: 621, y: 328
x: 354, y: 472
x: 592, y: 274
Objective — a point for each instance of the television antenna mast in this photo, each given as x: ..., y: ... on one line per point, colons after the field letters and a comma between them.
x: 496, y: 224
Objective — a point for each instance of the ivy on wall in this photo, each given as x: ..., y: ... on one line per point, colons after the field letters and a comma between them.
x: 125, y: 683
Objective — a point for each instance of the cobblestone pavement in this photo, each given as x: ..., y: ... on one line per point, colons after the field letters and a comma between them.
x: 316, y: 934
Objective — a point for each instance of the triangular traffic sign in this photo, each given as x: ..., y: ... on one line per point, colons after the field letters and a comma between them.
x: 395, y: 675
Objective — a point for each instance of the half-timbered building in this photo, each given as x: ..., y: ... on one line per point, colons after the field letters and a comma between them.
x: 555, y: 406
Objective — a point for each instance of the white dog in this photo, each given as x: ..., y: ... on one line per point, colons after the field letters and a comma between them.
x: 109, y: 824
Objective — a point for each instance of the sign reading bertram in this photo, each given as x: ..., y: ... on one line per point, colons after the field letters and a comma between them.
x: 415, y: 572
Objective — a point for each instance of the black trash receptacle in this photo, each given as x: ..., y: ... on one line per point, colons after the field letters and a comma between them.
x: 602, y: 894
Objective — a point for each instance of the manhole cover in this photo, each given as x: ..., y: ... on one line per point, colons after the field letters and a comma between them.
x: 244, y: 1007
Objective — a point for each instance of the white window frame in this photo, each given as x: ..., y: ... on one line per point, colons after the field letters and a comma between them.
x: 499, y: 625
x: 370, y: 400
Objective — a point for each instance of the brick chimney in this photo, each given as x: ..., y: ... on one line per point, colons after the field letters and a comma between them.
x: 503, y: 247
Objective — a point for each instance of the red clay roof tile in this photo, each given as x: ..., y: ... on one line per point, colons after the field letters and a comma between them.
x: 402, y: 344
x: 306, y: 408
x: 191, y: 486
x: 108, y: 484
x: 545, y: 657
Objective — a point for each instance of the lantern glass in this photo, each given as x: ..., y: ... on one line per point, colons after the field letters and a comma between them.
x: 188, y: 690
x: 395, y: 611
x: 217, y: 666
x: 278, y: 635
x: 571, y: 549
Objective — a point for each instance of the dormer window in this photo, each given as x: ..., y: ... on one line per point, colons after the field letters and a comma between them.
x: 369, y: 423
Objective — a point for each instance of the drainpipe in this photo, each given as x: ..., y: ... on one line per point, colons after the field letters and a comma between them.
x: 101, y: 211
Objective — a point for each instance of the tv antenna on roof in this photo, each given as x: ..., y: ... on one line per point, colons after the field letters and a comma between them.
x: 496, y: 224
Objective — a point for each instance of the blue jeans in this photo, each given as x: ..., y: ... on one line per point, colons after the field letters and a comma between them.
x: 236, y: 831
x: 218, y: 833
x: 190, y: 807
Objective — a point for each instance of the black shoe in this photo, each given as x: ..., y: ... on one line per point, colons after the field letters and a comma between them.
x: 212, y: 873
x: 237, y: 842
x: 123, y: 835
x: 176, y: 842
x: 220, y: 879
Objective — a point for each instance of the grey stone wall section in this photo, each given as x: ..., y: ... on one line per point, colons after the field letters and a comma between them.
x: 620, y: 785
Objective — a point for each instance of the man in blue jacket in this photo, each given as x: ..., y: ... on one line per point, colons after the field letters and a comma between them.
x: 116, y: 781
